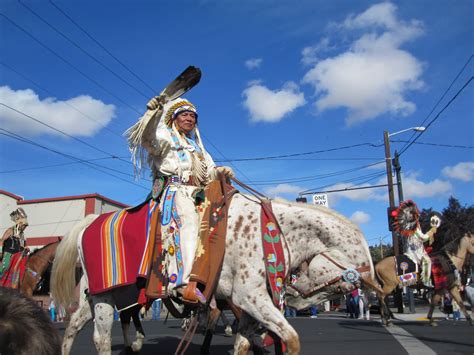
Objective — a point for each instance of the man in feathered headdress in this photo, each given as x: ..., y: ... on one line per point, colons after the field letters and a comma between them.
x: 181, y: 169
x: 13, y: 239
x: 408, y: 225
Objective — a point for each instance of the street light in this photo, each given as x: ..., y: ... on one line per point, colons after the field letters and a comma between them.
x: 391, y: 198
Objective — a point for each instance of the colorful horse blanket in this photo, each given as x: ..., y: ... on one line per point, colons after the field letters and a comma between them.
x: 117, y: 247
x: 442, y: 272
x: 407, y: 270
x: 13, y: 273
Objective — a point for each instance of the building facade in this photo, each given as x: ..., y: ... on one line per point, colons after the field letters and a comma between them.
x: 51, y: 218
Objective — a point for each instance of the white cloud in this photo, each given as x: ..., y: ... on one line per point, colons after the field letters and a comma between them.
x: 414, y: 188
x: 253, y: 63
x: 271, y: 106
x: 463, y: 171
x: 372, y: 77
x: 283, y: 189
x: 68, y: 116
x: 360, y: 217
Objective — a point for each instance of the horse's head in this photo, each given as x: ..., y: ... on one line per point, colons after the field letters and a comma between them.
x: 319, y: 282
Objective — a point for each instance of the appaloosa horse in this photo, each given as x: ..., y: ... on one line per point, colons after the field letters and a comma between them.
x: 454, y: 253
x: 328, y: 242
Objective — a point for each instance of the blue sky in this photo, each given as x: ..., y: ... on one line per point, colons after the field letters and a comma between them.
x: 315, y: 83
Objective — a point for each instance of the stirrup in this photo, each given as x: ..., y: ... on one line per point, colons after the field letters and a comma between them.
x: 191, y: 294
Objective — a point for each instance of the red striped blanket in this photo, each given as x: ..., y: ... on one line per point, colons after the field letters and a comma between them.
x: 117, y: 248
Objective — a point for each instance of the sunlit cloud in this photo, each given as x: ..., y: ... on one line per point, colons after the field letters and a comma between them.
x: 463, y: 171
x: 253, y: 63
x: 268, y: 105
x: 79, y: 116
x: 374, y: 75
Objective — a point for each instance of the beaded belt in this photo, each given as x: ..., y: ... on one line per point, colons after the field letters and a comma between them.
x: 176, y: 180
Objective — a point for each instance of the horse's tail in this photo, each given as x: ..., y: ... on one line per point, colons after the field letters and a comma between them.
x: 63, y: 280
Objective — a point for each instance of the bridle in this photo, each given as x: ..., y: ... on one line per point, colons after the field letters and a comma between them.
x: 315, y: 289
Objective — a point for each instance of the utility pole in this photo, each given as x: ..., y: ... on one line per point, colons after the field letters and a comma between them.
x: 397, y: 167
x: 381, y: 249
x: 398, y: 299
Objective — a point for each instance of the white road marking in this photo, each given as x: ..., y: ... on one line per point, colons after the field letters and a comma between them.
x: 411, y: 344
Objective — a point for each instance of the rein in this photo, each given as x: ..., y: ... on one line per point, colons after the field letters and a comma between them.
x: 266, y: 205
x: 316, y: 288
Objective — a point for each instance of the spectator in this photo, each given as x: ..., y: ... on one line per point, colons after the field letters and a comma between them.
x: 354, y: 304
x: 456, y: 311
x: 314, y: 311
x: 447, y: 305
x: 156, y: 309
x: 290, y: 312
x: 52, y: 308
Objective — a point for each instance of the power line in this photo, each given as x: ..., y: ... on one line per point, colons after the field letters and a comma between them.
x: 70, y: 64
x: 46, y: 166
x: 82, y: 49
x: 65, y: 102
x: 368, y: 178
x: 346, y: 189
x: 439, y: 113
x: 64, y: 133
x: 437, y: 144
x: 314, y: 177
x: 102, y: 46
x: 306, y: 153
x: 439, y: 101
x: 79, y: 160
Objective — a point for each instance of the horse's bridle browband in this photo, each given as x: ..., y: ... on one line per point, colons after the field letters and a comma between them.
x: 316, y: 288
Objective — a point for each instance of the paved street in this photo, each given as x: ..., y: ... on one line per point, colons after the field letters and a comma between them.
x: 331, y: 333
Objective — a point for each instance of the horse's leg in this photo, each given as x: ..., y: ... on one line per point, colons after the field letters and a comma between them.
x: 104, y: 317
x: 458, y: 299
x: 125, y: 317
x: 214, y: 315
x: 140, y: 333
x: 245, y: 332
x: 386, y: 275
x: 435, y: 300
x: 78, y: 319
x: 259, y: 306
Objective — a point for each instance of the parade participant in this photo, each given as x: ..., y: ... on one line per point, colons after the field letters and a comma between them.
x: 181, y: 168
x: 408, y: 225
x: 13, y: 240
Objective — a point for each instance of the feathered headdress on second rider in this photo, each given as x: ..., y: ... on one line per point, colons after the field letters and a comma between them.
x: 407, y: 217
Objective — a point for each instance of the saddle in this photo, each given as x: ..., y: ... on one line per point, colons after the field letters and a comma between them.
x: 407, y: 270
x: 209, y: 254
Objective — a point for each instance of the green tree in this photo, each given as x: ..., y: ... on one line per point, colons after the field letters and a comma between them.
x: 375, y: 252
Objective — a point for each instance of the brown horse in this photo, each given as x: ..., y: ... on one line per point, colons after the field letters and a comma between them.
x: 454, y: 252
x: 37, y: 263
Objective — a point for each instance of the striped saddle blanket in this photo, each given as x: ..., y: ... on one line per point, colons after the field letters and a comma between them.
x: 117, y: 247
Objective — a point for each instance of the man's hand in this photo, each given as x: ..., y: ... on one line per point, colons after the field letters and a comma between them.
x: 154, y: 103
x: 227, y: 171
x: 435, y: 221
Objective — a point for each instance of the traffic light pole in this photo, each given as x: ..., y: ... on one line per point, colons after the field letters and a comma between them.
x: 398, y: 300
x: 397, y: 167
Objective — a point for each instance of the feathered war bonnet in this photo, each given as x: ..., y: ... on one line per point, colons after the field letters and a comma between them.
x: 142, y: 135
x: 407, y: 218
x: 19, y: 216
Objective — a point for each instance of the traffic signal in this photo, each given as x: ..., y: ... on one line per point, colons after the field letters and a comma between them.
x: 301, y: 199
x: 392, y: 213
